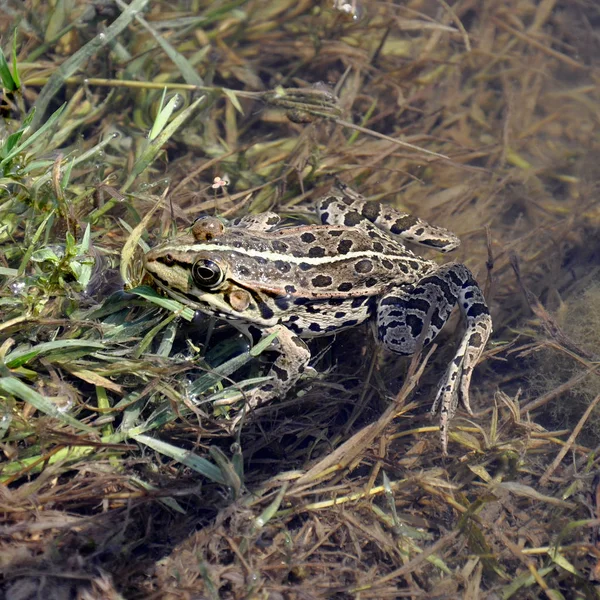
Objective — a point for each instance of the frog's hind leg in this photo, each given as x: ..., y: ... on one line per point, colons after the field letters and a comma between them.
x: 405, y: 310
x: 344, y: 206
x: 266, y: 221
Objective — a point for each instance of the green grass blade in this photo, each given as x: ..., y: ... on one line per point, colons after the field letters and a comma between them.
x: 34, y: 240
x: 185, y: 457
x: 8, y: 82
x: 164, y: 114
x: 21, y: 356
x: 13, y: 139
x: 149, y: 294
x: 34, y: 136
x: 15, y: 70
x: 15, y: 387
x: 77, y: 60
x: 156, y: 145
x: 187, y: 71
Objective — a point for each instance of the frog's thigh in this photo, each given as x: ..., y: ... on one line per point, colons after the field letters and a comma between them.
x: 260, y: 222
x: 405, y: 310
x: 343, y: 206
x: 287, y: 368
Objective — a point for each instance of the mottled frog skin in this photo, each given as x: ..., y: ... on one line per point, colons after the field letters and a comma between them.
x: 316, y: 280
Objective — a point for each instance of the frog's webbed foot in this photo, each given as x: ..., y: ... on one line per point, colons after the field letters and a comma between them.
x: 285, y: 371
x: 405, y: 310
x: 457, y: 379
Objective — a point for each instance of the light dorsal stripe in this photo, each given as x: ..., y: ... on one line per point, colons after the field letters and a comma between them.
x: 311, y: 260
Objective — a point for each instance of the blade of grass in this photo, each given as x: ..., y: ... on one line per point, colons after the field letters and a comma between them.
x: 36, y: 236
x: 22, y: 356
x: 77, y: 60
x: 16, y: 388
x: 155, y: 146
x: 130, y: 246
x: 149, y: 294
x: 15, y: 70
x: 8, y: 81
x: 188, y: 72
x: 34, y: 136
x: 185, y: 457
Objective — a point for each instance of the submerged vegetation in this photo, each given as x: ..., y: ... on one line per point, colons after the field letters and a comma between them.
x: 120, y: 472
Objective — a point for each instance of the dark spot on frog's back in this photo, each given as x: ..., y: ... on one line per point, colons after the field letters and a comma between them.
x: 308, y: 237
x: 327, y: 202
x: 282, y: 266
x: 352, y: 219
x: 371, y: 210
x: 316, y: 252
x: 282, y: 303
x: 344, y: 246
x: 345, y: 287
x: 363, y: 266
x: 279, y: 246
x: 335, y: 232
x: 321, y: 281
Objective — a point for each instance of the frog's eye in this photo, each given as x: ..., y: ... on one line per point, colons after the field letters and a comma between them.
x: 207, y: 273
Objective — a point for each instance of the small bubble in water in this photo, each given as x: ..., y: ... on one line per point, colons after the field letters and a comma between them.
x: 65, y: 405
x: 352, y: 8
x: 115, y: 134
x: 102, y: 37
x: 177, y: 101
x: 5, y: 421
x: 18, y: 288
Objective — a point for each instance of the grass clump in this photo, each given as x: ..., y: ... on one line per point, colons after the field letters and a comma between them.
x: 120, y: 475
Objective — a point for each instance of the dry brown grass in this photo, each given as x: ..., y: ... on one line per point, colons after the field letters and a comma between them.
x: 343, y: 494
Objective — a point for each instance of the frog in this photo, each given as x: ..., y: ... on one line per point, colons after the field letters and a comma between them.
x: 304, y: 281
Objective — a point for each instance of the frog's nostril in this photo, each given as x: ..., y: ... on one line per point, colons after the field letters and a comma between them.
x: 168, y: 259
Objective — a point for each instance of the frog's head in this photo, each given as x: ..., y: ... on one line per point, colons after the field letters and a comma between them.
x: 202, y: 275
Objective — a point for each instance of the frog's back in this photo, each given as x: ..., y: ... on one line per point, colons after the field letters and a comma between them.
x: 316, y: 261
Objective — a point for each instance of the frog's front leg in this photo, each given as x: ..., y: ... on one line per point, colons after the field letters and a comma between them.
x: 287, y: 368
x: 406, y: 309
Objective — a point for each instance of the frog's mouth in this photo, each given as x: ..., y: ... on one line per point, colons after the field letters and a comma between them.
x: 215, y: 303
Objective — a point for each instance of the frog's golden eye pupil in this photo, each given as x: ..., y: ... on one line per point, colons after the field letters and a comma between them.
x: 207, y: 273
